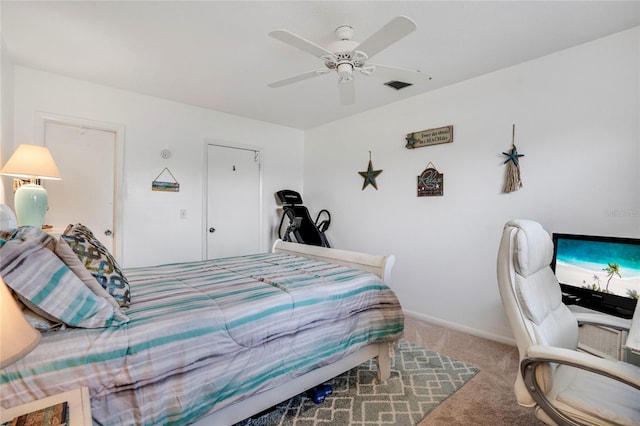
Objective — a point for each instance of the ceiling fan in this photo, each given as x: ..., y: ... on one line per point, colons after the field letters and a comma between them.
x: 346, y: 56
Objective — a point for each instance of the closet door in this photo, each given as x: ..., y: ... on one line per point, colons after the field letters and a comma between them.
x: 233, y: 201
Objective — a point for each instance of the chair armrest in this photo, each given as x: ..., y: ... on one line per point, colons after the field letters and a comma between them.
x: 621, y: 371
x: 601, y: 319
x: 538, y: 355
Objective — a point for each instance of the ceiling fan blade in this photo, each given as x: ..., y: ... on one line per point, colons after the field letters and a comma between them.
x: 299, y: 77
x: 399, y: 74
x: 347, y: 92
x: 302, y: 44
x: 387, y: 35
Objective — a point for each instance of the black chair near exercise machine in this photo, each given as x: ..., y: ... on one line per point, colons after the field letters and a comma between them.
x: 304, y: 230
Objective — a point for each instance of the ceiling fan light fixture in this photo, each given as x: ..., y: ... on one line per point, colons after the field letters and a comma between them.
x: 345, y: 71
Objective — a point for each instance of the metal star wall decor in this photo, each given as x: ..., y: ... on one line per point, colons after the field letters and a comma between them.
x: 370, y: 175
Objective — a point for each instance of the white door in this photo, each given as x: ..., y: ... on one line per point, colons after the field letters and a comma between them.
x: 233, y: 201
x: 86, y: 160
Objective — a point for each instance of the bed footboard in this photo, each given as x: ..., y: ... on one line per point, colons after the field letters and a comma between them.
x: 378, y: 265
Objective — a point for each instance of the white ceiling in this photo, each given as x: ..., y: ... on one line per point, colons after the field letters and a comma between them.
x: 217, y: 54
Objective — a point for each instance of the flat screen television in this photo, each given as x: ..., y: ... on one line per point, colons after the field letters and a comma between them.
x: 599, y: 273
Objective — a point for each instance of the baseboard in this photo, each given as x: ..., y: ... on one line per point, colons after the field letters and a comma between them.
x: 461, y: 328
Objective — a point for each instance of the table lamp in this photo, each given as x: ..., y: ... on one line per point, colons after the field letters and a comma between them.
x: 17, y: 337
x: 32, y: 162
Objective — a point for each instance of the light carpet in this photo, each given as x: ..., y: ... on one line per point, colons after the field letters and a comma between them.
x: 420, y: 380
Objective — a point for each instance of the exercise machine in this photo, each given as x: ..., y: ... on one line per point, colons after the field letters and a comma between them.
x: 303, y: 229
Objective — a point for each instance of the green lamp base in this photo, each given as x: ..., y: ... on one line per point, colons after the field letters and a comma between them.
x: 31, y: 205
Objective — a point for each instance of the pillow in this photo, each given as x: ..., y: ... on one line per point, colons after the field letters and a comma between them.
x: 48, y: 287
x: 6, y: 235
x: 66, y: 254
x: 63, y: 251
x: 39, y: 322
x: 100, y: 263
x: 25, y: 233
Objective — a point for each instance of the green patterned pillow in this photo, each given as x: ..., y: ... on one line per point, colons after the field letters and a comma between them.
x: 48, y: 287
x: 97, y: 259
x: 68, y: 256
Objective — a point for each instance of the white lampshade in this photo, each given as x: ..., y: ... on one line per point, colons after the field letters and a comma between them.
x: 31, y: 201
x: 29, y: 161
x: 17, y: 337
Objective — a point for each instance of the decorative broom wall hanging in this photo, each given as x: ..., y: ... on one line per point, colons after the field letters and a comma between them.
x: 512, y: 179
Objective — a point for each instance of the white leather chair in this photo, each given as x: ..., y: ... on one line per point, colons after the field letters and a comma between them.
x: 566, y: 386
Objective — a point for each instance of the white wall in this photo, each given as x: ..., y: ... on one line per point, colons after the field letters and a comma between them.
x: 577, y: 122
x: 6, y: 113
x: 153, y: 232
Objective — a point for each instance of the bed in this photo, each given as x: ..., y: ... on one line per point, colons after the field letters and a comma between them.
x: 214, y: 342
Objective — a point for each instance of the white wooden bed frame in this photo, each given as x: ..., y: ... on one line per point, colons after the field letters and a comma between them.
x: 378, y: 265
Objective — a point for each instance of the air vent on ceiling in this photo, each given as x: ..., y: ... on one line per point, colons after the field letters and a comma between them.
x: 397, y: 84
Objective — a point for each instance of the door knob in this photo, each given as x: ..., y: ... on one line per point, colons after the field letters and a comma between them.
x: 108, y: 232
x: 212, y: 230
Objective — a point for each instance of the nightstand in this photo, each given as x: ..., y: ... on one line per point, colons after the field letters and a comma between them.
x: 79, y: 407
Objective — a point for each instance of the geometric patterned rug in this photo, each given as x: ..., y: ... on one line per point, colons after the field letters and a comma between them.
x: 420, y: 380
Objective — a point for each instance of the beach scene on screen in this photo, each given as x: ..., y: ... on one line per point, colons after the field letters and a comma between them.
x: 602, y: 266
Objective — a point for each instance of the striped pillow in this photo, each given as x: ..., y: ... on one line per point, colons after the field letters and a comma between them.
x: 47, y: 286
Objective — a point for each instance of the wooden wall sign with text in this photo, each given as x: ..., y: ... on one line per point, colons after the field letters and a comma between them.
x: 429, y: 137
x: 430, y: 183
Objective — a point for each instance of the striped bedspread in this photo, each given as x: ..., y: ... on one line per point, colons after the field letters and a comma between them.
x: 203, y: 335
